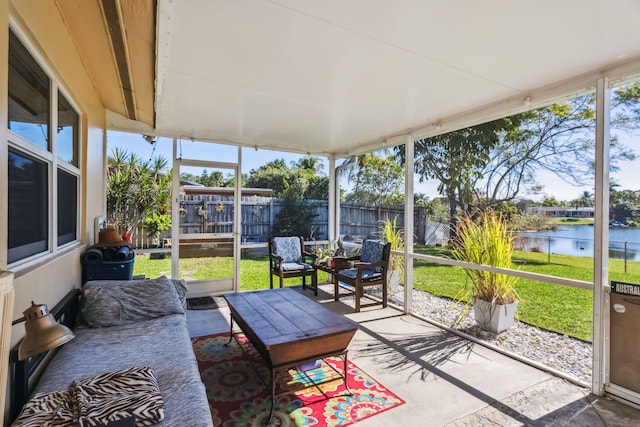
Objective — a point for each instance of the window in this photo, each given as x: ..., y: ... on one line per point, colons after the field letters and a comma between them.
x: 43, y: 161
x: 28, y: 206
x: 67, y: 143
x: 29, y: 95
x: 67, y: 207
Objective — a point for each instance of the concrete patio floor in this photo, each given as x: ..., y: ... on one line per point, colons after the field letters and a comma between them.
x: 448, y: 381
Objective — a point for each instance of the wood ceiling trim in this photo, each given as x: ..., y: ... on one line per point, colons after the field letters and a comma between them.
x: 118, y: 43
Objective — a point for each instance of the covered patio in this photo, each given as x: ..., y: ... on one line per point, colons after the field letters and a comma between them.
x: 339, y: 79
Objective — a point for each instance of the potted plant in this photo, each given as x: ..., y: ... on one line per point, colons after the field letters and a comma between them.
x: 322, y: 254
x: 487, y: 240
x: 393, y: 235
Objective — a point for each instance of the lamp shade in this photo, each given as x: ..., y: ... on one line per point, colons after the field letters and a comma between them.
x: 42, y: 332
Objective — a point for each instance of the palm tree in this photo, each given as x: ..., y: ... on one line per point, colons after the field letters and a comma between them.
x: 311, y: 163
x: 585, y: 199
x: 376, y: 178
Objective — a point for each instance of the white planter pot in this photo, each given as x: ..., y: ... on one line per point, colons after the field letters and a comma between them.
x: 493, y: 317
x: 393, y: 280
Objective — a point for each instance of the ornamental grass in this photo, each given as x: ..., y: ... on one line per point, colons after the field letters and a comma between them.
x: 486, y: 240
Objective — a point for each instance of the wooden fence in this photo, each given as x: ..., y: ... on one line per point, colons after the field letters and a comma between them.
x: 214, y: 214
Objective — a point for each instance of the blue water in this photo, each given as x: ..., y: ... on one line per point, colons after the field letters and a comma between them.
x: 577, y: 240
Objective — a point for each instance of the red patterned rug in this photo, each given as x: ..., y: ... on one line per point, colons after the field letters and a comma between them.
x: 238, y: 397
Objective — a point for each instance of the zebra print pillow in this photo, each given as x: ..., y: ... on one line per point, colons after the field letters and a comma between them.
x: 98, y: 401
x: 47, y: 410
x: 117, y: 395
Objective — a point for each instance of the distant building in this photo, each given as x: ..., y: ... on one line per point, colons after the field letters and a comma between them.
x: 560, y: 212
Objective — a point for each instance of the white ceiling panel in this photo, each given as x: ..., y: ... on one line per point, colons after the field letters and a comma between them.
x: 342, y: 76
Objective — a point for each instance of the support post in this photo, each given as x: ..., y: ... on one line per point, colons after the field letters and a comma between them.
x: 601, y: 238
x: 237, y: 222
x: 333, y: 230
x: 175, y: 212
x: 409, y: 153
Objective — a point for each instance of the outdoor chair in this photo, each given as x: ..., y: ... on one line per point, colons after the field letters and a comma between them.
x: 369, y: 269
x: 288, y: 258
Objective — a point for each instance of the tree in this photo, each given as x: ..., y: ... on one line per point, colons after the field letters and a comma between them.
x: 523, y: 205
x: 275, y: 175
x: 317, y: 188
x: 136, y: 189
x: 624, y: 206
x: 457, y: 160
x: 296, y: 184
x: 208, y: 179
x: 584, y: 201
x: 557, y: 138
x: 437, y: 209
x: 295, y: 217
x: 375, y: 178
x: 309, y: 170
x: 420, y: 199
x: 311, y: 164
x: 302, y: 176
x: 552, y: 202
x: 156, y: 223
x: 492, y: 163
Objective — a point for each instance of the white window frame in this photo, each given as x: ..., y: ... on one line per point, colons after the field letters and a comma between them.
x: 53, y: 162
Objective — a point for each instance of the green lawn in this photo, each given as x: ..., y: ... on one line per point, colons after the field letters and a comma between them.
x: 558, y: 308
x: 254, y: 272
x: 574, y: 221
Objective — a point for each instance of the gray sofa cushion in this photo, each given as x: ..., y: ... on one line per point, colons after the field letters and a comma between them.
x: 112, y: 303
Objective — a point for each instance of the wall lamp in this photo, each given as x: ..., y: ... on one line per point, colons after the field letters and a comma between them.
x: 42, y: 331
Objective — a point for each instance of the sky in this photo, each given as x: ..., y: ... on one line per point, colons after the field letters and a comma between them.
x: 251, y: 159
x: 627, y: 177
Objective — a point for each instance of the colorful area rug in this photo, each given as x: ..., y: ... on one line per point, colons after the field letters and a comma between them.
x: 239, y: 389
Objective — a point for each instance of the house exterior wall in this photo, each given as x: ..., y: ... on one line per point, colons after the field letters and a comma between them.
x: 41, y: 23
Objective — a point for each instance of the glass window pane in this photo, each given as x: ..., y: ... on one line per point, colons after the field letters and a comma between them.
x: 28, y: 95
x: 67, y: 142
x: 67, y: 207
x: 27, y: 213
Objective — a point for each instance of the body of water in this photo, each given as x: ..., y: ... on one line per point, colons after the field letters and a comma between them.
x: 577, y: 240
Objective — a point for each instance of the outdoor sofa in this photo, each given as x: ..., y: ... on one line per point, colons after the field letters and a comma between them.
x: 135, y: 325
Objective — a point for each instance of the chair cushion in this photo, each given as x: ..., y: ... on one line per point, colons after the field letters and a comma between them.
x: 371, y: 251
x: 288, y: 248
x: 292, y: 266
x: 368, y: 274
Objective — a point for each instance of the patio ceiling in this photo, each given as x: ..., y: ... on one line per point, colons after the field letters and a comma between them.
x: 343, y: 77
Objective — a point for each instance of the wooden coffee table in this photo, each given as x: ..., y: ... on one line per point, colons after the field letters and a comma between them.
x: 288, y: 329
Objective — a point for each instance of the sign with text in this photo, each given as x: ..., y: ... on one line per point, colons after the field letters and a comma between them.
x: 625, y: 288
